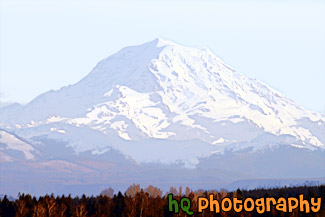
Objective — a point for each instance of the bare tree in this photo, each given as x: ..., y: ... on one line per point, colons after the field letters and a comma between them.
x: 51, y: 206
x: 108, y: 192
x: 133, y: 190
x: 39, y: 210
x: 153, y: 191
x: 63, y: 208
x: 188, y: 191
x: 21, y: 211
x: 173, y: 190
x: 81, y: 210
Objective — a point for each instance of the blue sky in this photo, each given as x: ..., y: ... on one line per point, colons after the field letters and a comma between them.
x: 46, y: 44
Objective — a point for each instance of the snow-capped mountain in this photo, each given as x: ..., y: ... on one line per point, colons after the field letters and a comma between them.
x: 163, y: 102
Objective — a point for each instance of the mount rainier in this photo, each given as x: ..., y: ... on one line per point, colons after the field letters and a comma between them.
x: 154, y: 107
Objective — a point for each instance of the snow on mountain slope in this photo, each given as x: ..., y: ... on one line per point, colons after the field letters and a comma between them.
x: 10, y: 146
x: 164, y: 91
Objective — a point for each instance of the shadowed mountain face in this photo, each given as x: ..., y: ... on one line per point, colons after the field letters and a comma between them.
x: 161, y: 105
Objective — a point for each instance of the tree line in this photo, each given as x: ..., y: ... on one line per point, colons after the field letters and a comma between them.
x: 150, y: 201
